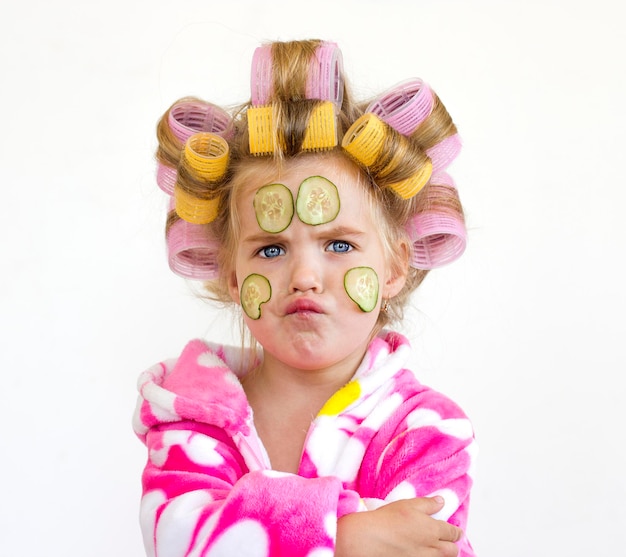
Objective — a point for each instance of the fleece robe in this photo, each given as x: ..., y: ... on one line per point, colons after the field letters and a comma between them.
x: 209, y: 488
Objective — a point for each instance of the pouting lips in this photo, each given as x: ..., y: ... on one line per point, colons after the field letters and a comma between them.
x: 302, y: 306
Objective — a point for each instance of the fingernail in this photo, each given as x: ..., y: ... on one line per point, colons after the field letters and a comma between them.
x: 439, y: 499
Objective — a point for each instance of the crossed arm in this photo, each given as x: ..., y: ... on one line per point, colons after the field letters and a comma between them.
x: 200, y: 499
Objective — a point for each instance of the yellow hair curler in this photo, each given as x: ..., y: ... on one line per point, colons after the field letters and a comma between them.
x: 365, y: 141
x: 261, y: 130
x: 321, y: 131
x: 413, y: 184
x: 206, y: 156
x: 365, y: 138
x: 193, y: 209
x: 204, y: 162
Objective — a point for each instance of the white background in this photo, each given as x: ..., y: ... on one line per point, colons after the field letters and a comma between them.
x: 526, y: 331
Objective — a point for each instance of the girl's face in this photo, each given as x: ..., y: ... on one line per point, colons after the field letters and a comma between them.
x: 311, y: 293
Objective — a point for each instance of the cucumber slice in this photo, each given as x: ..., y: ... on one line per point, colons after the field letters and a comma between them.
x: 255, y: 291
x: 317, y: 201
x: 361, y: 284
x: 273, y: 207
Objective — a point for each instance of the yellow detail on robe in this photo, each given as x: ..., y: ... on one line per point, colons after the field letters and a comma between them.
x: 342, y: 399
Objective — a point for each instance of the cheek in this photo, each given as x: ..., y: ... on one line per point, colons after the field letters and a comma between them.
x: 361, y: 286
x: 256, y: 290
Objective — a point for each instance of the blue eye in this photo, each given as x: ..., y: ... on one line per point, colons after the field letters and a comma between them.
x: 269, y: 252
x: 339, y: 246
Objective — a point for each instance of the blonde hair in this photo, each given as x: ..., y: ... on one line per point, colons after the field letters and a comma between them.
x: 291, y: 111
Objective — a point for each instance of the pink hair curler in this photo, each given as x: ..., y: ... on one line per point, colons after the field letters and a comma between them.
x: 439, y: 237
x: 261, y: 75
x: 325, y: 81
x: 192, y: 251
x: 444, y: 152
x: 189, y: 117
x: 166, y: 178
x: 185, y: 119
x: 405, y: 106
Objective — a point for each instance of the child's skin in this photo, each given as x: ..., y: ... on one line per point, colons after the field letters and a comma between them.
x: 402, y: 529
x: 314, y: 337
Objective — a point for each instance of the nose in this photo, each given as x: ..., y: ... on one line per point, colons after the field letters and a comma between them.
x: 306, y: 274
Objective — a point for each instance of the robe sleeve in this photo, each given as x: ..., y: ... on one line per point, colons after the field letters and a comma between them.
x: 201, y: 499
x: 426, y: 449
x: 201, y: 494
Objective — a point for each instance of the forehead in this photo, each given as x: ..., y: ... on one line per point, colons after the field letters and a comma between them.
x: 344, y: 174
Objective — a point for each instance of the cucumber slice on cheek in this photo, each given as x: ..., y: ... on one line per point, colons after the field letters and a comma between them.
x: 361, y: 284
x: 255, y: 291
x: 317, y: 201
x: 273, y: 207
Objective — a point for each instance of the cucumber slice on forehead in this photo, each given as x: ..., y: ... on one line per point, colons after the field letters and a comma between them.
x: 273, y: 207
x: 255, y: 291
x: 361, y: 284
x: 317, y: 201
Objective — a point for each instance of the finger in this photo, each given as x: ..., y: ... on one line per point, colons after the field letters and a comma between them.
x: 429, y: 505
x: 448, y: 549
x: 450, y: 533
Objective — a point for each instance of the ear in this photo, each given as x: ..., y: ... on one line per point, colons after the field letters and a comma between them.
x: 398, y: 271
x: 233, y: 288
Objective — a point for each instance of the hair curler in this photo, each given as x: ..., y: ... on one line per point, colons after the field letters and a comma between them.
x: 405, y: 106
x: 444, y: 152
x: 206, y: 154
x: 438, y: 234
x: 321, y: 131
x: 367, y: 141
x: 261, y: 75
x: 324, y: 81
x: 204, y: 162
x: 186, y: 118
x: 189, y: 117
x: 192, y: 252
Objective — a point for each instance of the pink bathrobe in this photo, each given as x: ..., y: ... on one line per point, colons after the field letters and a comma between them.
x: 209, y: 488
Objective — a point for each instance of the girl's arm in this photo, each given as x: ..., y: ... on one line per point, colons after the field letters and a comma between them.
x: 425, y: 450
x: 402, y: 529
x: 200, y: 499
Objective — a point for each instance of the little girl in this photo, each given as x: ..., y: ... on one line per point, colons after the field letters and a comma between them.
x: 318, y: 217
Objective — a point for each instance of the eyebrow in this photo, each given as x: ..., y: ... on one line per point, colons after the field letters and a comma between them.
x: 334, y: 232
x: 339, y: 231
x: 261, y: 238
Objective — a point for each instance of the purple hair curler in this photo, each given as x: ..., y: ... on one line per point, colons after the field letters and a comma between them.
x: 192, y: 251
x: 189, y: 117
x: 324, y: 82
x: 185, y: 119
x: 261, y: 75
x: 444, y: 152
x: 166, y: 178
x: 405, y: 106
x: 438, y: 237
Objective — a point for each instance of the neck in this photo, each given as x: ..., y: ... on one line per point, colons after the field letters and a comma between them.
x: 285, y: 401
x: 297, y: 387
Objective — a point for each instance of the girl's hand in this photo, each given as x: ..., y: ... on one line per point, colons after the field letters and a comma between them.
x: 402, y: 529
